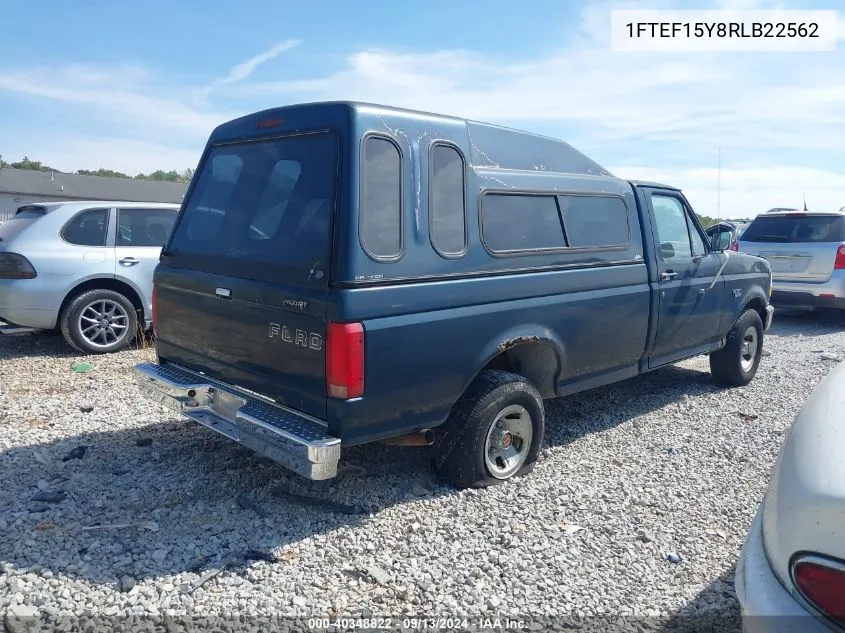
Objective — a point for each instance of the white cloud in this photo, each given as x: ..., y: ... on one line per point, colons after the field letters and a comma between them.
x: 773, y: 100
x: 126, y: 94
x: 656, y: 110
x: 747, y: 190
x: 245, y: 69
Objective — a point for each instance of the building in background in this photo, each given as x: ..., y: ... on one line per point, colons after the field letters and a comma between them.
x: 25, y: 186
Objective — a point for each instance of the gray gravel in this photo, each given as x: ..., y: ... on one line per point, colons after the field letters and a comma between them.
x: 638, y: 507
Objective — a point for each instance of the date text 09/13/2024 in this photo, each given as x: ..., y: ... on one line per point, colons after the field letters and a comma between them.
x: 418, y: 623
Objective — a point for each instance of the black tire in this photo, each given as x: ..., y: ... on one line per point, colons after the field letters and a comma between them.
x: 92, y: 299
x: 460, y: 447
x: 733, y: 365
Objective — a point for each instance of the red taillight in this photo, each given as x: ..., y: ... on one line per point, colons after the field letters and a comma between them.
x: 15, y: 266
x: 735, y: 247
x: 840, y: 258
x: 153, y: 314
x: 796, y: 215
x: 345, y: 360
x: 823, y: 585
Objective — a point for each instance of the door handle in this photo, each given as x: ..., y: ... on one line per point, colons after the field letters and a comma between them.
x: 128, y: 261
x: 669, y: 274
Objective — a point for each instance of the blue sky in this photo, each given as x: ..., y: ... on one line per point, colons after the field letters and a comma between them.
x: 137, y: 87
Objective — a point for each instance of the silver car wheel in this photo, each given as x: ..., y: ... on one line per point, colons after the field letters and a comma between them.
x: 103, y: 323
x: 748, y: 349
x: 508, y: 441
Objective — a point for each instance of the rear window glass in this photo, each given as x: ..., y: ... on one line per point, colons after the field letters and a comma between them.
x: 261, y: 210
x: 785, y: 229
x: 31, y: 211
x: 381, y: 198
x: 594, y: 220
x: 27, y: 214
x: 88, y: 228
x: 511, y: 222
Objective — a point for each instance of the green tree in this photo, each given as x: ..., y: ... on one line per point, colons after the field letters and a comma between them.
x: 34, y: 165
x: 108, y: 173
x: 161, y: 175
x: 707, y: 221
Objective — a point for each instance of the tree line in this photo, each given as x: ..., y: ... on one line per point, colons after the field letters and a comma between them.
x: 167, y: 176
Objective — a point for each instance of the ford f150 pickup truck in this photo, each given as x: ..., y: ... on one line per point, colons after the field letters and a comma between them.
x: 343, y: 273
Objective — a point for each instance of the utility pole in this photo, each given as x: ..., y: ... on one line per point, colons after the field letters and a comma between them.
x: 719, y: 186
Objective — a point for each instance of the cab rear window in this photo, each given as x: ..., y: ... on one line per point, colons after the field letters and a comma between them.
x: 795, y: 228
x: 261, y: 210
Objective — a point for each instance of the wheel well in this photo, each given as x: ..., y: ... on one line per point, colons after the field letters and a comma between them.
x: 536, y: 362
x: 758, y: 306
x: 106, y: 284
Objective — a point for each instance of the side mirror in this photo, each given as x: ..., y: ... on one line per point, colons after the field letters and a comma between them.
x: 720, y: 241
x: 667, y: 250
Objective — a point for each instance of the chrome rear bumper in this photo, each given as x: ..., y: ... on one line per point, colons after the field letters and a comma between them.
x: 770, y: 311
x: 292, y: 439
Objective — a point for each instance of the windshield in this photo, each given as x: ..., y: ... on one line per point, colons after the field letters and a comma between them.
x: 798, y: 228
x: 261, y: 210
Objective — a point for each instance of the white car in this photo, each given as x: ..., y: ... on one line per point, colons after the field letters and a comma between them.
x: 807, y: 252
x: 791, y: 571
x: 83, y: 268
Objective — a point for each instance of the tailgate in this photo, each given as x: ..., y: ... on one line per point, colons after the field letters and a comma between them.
x: 251, y: 334
x: 799, y: 247
x: 242, y: 285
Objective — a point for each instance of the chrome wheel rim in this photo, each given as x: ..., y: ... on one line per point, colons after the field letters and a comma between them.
x: 103, y: 323
x: 508, y: 441
x: 748, y: 349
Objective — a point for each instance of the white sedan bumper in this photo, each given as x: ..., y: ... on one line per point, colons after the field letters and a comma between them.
x: 767, y: 607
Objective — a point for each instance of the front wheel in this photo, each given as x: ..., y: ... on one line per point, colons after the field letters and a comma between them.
x: 735, y: 365
x: 494, y: 432
x: 99, y: 322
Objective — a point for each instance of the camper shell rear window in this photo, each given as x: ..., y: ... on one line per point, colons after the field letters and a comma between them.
x: 262, y: 210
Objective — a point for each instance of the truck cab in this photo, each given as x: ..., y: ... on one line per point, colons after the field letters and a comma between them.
x: 345, y: 273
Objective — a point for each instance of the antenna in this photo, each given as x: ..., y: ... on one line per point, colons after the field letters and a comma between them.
x: 719, y: 185
x: 805, y: 201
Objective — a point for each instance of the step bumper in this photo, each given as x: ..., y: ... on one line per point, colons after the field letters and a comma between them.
x: 292, y: 439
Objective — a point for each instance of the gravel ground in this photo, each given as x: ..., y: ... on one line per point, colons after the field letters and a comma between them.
x: 160, y: 515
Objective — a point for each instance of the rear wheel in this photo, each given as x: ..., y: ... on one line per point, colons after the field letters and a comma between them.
x: 494, y: 432
x: 99, y: 322
x: 735, y: 365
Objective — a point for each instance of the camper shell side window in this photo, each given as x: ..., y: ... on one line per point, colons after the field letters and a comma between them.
x: 382, y: 196
x: 447, y: 205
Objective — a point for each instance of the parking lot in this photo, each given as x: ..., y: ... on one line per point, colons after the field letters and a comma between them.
x: 639, y: 505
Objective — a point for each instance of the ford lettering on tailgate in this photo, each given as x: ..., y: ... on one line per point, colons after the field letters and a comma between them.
x: 311, y: 340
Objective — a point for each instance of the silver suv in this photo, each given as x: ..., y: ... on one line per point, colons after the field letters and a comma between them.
x: 807, y: 252
x: 85, y: 268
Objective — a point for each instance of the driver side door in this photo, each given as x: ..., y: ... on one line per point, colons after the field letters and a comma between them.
x: 690, y: 288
